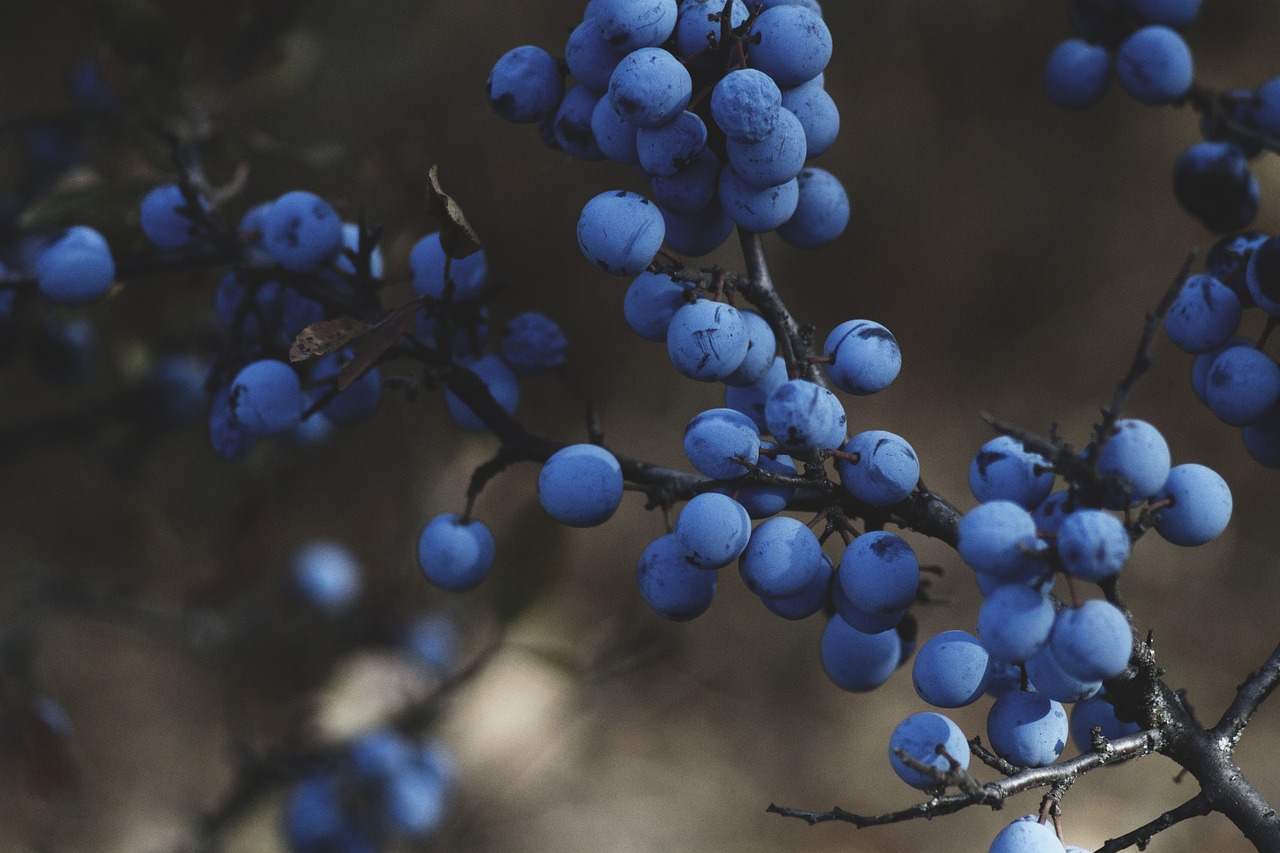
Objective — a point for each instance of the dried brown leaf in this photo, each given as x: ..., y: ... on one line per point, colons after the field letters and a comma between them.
x: 456, y: 235
x: 376, y: 340
x: 325, y: 337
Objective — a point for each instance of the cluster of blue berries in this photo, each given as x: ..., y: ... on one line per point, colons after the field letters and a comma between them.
x: 382, y: 786
x: 1232, y: 375
x: 1139, y: 43
x: 720, y: 104
x: 1035, y: 653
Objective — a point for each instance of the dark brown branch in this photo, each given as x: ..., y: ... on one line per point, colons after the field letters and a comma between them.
x: 1197, y: 806
x: 994, y: 794
x: 1141, y: 360
x: 793, y: 342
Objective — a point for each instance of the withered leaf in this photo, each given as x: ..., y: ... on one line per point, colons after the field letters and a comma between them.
x: 456, y: 235
x: 325, y: 337
x: 376, y: 340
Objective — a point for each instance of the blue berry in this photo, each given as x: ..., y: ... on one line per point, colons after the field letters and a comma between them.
x: 1027, y: 729
x: 1204, y: 315
x: 998, y: 538
x: 1092, y: 642
x: 590, y: 58
x: 525, y: 85
x: 327, y: 575
x: 762, y: 349
x: 951, y: 670
x: 1027, y: 835
x: 714, y: 438
x: 620, y: 232
x: 794, y: 46
x: 776, y: 158
x: 76, y: 268
x: 879, y: 573
x: 1138, y: 454
x: 693, y: 27
x: 428, y: 260
x: 1048, y: 677
x: 818, y: 115
x: 230, y: 439
x: 887, y: 469
x: 580, y: 485
x: 920, y: 737
x: 745, y: 105
x: 707, y: 340
x: 1076, y: 74
x: 752, y: 399
x: 614, y: 137
x: 455, y: 555
x: 857, y: 661
x: 1201, y: 505
x: 1228, y: 262
x: 764, y: 501
x: 865, y: 357
x: 1262, y: 275
x: 691, y: 188
x: 1093, y: 544
x: 673, y: 587
x: 803, y: 415
x: 1015, y: 622
x: 649, y: 87
x: 632, y: 24
x: 161, y: 220
x: 1154, y: 65
x: 1204, y: 362
x: 757, y: 209
x: 571, y: 125
x: 266, y: 397
x: 301, y: 231
x: 1004, y: 470
x: 1266, y: 108
x: 781, y: 558
x: 808, y: 601
x: 712, y: 530
x: 1212, y: 181
x: 667, y: 148
x: 822, y: 211
x: 699, y: 233
x: 1242, y: 385
x: 1097, y: 711
x: 651, y: 301
x: 1262, y: 439
x: 533, y: 343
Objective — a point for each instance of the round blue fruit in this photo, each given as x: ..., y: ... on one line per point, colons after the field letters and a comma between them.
x: 887, y: 469
x: 673, y: 587
x: 301, y: 230
x: 455, y: 555
x: 581, y: 485
x: 76, y: 268
x: 266, y: 397
x: 525, y: 85
x: 921, y: 736
x: 1154, y: 65
x: 858, y: 661
x: 620, y: 231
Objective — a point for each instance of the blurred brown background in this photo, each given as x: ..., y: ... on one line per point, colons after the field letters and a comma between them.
x: 1011, y: 247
